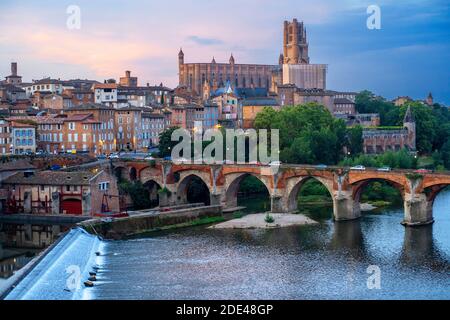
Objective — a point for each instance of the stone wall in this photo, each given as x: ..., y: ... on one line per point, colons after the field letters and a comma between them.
x: 123, y: 227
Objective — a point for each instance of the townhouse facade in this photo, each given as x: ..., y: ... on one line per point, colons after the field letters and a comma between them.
x: 104, y: 130
x: 59, y: 192
x: 152, y: 125
x: 72, y: 134
x: 23, y: 137
x: 5, y: 137
x: 44, y: 85
x: 129, y: 128
x: 106, y: 94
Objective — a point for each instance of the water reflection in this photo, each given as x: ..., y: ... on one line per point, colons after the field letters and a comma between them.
x: 347, y: 236
x: 324, y: 261
x: 12, y: 260
x: 19, y: 243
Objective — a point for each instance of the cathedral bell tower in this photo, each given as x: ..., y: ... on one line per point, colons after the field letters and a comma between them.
x: 295, y: 44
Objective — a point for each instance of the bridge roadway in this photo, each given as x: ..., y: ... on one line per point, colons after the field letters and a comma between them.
x: 284, y: 182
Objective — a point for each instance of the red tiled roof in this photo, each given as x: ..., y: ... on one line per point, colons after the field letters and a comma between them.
x: 55, y: 178
x: 16, y: 124
x: 105, y: 86
x: 79, y: 117
x: 20, y: 164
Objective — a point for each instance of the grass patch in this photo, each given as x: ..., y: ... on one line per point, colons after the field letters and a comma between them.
x: 269, y: 218
x: 238, y: 214
x: 380, y: 203
x: 313, y: 199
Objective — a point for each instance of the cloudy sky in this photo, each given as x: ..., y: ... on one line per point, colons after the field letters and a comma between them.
x: 409, y: 55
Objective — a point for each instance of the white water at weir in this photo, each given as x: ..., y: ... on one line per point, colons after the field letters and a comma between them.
x: 50, y: 279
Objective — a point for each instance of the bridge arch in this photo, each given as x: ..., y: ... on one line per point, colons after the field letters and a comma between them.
x: 121, y: 173
x: 358, y: 187
x: 186, y: 179
x: 149, y: 173
x: 133, y: 174
x: 295, y: 184
x: 432, y: 191
x: 153, y: 188
x: 233, y: 182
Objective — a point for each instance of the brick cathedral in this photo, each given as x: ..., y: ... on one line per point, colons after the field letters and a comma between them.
x: 293, y: 67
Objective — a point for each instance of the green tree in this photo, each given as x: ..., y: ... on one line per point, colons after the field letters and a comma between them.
x: 138, y: 193
x: 445, y: 152
x: 308, y: 133
x: 367, y: 102
x: 165, y: 142
x: 355, y: 140
x: 426, y: 125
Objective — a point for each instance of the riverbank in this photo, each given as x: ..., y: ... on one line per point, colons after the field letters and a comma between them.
x: 257, y: 221
x: 191, y: 223
x: 122, y: 228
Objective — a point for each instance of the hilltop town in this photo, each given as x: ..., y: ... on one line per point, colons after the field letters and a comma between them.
x: 93, y: 117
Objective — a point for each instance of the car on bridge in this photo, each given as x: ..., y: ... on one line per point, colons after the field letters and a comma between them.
x: 358, y: 168
x: 133, y: 155
x: 423, y: 171
x: 384, y: 169
x: 321, y: 166
x: 181, y: 160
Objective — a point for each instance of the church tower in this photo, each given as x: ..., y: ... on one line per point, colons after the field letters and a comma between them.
x: 295, y: 45
x: 181, y: 66
x: 181, y: 57
x: 231, y: 59
x: 429, y: 100
x: 206, y: 91
x: 409, y: 123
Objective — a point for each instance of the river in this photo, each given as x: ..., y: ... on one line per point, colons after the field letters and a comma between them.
x: 326, y: 261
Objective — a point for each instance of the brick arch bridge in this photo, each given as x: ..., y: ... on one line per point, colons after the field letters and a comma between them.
x: 418, y: 190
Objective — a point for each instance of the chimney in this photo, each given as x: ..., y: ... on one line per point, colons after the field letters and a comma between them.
x: 14, y: 68
x: 127, y: 74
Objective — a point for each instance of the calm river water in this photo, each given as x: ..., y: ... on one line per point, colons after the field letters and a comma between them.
x: 327, y: 261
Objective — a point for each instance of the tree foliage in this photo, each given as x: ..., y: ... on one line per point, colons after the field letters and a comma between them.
x: 308, y: 133
x: 395, y: 159
x: 165, y: 142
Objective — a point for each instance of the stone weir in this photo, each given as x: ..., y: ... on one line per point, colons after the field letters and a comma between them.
x: 120, y: 228
x: 59, y: 272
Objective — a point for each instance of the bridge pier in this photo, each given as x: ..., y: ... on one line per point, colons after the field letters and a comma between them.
x: 276, y: 204
x: 418, y: 210
x: 345, y: 207
x: 216, y: 199
x: 164, y: 200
